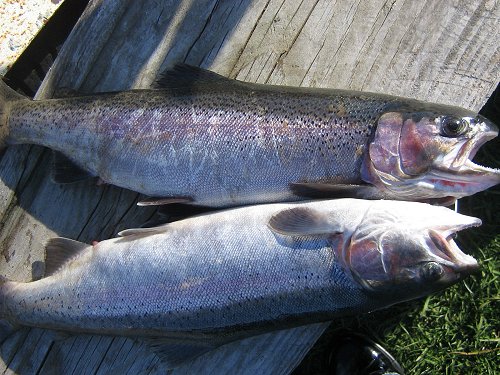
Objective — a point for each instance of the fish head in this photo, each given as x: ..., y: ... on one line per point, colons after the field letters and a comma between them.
x: 427, y: 155
x: 401, y: 258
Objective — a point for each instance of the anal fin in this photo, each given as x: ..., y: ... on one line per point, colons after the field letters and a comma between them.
x: 59, y: 251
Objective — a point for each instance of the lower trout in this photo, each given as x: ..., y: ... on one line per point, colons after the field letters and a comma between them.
x: 192, y: 285
x: 209, y: 140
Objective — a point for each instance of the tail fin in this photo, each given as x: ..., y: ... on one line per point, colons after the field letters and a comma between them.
x: 7, y: 96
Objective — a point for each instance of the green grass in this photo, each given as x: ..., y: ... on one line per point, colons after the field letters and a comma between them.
x: 456, y: 331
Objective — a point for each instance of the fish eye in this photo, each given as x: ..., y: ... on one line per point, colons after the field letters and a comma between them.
x: 431, y: 271
x: 453, y: 126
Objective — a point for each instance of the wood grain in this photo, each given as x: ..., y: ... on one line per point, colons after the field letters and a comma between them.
x: 440, y: 51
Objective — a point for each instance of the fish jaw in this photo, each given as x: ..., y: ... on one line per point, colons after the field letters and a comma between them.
x: 400, y: 260
x: 413, y: 158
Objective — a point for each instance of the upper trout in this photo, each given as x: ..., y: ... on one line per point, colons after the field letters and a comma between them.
x: 209, y: 140
x: 192, y: 285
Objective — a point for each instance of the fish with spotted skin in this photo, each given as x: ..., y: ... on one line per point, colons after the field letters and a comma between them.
x: 190, y: 286
x: 208, y: 140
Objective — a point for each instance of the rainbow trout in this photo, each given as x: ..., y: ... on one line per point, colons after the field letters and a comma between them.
x: 209, y: 140
x: 192, y: 285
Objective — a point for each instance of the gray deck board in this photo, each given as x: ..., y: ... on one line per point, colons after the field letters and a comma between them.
x: 440, y: 51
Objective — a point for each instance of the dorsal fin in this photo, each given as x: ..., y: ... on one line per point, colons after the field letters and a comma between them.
x: 303, y: 221
x: 183, y: 75
x: 59, y: 251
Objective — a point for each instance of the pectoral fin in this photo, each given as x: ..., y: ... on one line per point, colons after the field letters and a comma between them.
x: 302, y: 221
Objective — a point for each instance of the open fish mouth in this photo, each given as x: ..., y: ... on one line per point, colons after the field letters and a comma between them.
x: 458, y: 173
x: 462, y: 160
x: 448, y: 252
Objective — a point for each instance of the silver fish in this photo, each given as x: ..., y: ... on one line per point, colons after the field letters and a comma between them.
x: 209, y: 140
x: 192, y: 285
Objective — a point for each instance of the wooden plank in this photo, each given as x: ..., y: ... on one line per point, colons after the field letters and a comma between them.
x: 432, y: 50
x: 20, y: 21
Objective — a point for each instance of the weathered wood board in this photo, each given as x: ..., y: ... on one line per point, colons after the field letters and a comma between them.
x: 25, y: 18
x: 440, y: 51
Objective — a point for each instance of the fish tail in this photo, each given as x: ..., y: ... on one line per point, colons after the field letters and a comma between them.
x: 7, y: 96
